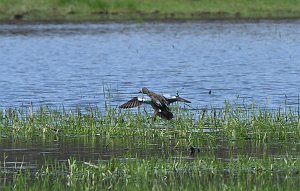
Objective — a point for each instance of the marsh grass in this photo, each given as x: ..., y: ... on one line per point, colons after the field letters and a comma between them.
x: 174, y: 167
x: 233, y: 121
x: 76, y: 10
x: 207, y: 173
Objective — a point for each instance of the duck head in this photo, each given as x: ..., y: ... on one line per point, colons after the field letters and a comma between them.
x: 144, y: 90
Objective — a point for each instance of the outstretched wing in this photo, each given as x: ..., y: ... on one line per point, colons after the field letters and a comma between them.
x: 134, y: 102
x: 177, y: 98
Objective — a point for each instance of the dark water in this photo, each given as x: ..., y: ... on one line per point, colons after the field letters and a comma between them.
x: 69, y: 64
x: 18, y: 154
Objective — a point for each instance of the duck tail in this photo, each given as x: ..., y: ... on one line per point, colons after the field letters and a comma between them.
x: 165, y: 114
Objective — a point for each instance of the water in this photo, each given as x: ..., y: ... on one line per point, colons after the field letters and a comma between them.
x: 70, y: 64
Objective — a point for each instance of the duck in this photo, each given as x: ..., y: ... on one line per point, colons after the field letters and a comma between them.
x: 158, y: 102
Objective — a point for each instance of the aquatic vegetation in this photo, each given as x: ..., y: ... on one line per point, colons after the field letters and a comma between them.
x: 206, y: 172
x: 236, y: 147
x: 232, y: 122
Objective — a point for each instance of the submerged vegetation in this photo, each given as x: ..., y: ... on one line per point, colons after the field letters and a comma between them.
x: 95, y: 10
x: 233, y: 148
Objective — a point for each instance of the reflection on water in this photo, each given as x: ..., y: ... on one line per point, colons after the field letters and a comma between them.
x: 18, y: 154
x: 69, y: 64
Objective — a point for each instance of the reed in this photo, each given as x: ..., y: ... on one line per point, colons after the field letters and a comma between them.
x: 234, y: 121
x: 206, y: 172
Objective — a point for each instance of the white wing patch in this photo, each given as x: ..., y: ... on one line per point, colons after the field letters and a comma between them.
x: 142, y: 99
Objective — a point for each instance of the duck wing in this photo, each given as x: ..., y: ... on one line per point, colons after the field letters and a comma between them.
x: 134, y: 102
x: 177, y: 98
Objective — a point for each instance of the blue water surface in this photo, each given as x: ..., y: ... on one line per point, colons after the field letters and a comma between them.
x: 87, y: 64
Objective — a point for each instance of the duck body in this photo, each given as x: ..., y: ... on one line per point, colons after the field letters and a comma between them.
x: 160, y: 105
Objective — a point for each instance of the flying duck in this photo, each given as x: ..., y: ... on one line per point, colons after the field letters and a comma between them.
x: 158, y: 102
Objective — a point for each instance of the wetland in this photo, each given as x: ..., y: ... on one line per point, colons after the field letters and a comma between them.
x: 61, y: 85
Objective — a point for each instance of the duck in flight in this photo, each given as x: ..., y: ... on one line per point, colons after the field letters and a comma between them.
x: 158, y: 102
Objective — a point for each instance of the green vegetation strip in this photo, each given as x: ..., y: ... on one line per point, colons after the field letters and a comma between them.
x: 204, y: 173
x: 118, y: 10
x: 232, y: 122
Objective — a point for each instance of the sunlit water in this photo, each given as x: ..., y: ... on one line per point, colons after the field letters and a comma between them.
x: 70, y: 64
x: 80, y: 64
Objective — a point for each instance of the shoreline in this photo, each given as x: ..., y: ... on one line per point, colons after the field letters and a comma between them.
x: 148, y: 19
x: 56, y: 11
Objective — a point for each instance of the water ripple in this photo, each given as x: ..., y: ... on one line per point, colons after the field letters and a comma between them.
x: 71, y: 64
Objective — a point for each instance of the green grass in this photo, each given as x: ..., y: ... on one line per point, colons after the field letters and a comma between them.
x: 171, y: 168
x: 99, y: 10
x: 234, y: 121
x: 204, y: 173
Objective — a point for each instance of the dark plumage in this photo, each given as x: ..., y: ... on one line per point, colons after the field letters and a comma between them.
x: 134, y: 102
